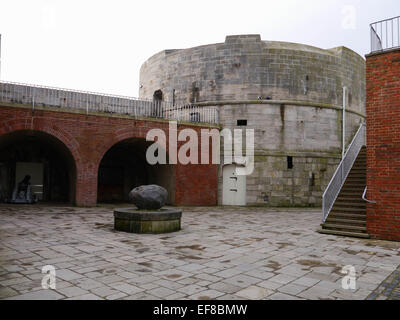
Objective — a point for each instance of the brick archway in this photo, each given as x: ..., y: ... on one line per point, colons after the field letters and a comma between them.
x: 53, y: 147
x: 54, y: 131
x: 127, y: 148
x: 89, y: 137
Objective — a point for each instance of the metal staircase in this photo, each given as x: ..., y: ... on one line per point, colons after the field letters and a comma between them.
x: 344, y: 210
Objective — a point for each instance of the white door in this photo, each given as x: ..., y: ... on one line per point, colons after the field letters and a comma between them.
x: 233, y: 187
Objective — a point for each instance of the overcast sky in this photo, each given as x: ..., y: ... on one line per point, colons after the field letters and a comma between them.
x: 100, y: 45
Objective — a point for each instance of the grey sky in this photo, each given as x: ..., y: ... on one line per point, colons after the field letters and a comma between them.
x: 100, y: 45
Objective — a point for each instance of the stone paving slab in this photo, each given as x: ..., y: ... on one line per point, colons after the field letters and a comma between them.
x: 221, y: 253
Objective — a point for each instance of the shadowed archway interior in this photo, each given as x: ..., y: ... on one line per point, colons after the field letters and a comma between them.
x: 42, y: 156
x: 124, y: 167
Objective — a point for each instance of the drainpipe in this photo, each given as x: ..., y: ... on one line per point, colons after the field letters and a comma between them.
x: 344, y: 123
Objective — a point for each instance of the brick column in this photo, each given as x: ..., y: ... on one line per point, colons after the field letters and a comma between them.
x: 86, y: 185
x: 383, y: 144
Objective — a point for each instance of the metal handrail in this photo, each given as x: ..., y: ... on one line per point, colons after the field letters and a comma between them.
x: 364, y: 196
x: 385, y: 34
x: 34, y: 96
x: 335, y: 185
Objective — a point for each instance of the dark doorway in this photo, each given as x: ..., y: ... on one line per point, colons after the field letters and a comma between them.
x: 42, y: 156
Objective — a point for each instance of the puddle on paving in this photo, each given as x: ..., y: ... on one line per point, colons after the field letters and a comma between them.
x: 273, y: 265
x: 258, y: 239
x: 311, y: 263
x: 146, y: 264
x: 283, y: 245
x: 189, y: 258
x: 217, y: 228
x: 104, y: 226
x: 143, y: 270
x: 193, y: 247
x: 174, y: 276
x: 316, y: 264
x: 135, y: 243
x: 110, y: 271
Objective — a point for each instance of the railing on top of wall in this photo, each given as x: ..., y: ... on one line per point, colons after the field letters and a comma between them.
x: 33, y: 95
x: 385, y: 34
x: 335, y: 185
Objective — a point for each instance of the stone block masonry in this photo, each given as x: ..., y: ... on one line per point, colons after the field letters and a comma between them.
x: 291, y: 96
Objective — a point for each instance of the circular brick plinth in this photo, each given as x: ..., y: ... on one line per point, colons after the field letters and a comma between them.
x: 147, y: 221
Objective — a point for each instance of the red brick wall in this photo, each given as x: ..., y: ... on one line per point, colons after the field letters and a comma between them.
x: 88, y: 138
x: 201, y: 178
x: 383, y: 145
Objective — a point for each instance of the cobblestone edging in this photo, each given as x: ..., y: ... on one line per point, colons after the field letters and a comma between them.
x: 388, y: 289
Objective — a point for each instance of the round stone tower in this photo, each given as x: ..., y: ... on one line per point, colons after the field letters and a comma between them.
x: 290, y: 94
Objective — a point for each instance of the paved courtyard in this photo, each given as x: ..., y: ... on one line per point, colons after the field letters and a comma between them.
x: 221, y: 253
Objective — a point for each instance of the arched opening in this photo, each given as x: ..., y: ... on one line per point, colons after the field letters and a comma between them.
x: 42, y: 156
x: 124, y: 167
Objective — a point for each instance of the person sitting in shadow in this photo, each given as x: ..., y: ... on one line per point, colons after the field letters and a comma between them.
x: 24, y: 185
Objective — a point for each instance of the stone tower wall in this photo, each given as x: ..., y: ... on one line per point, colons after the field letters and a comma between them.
x: 291, y: 94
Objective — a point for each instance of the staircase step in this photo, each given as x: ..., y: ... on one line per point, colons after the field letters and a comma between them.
x: 355, y: 182
x: 341, y: 209
x: 356, y: 203
x: 349, y: 198
x: 344, y: 233
x: 356, y: 176
x: 349, y: 216
x: 349, y: 193
x: 359, y: 188
x: 346, y: 221
x: 345, y: 227
x: 353, y: 185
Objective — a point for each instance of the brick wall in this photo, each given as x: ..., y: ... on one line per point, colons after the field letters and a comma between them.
x: 88, y: 138
x: 383, y: 145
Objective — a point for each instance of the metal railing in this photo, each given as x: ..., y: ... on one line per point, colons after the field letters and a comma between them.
x: 385, y: 34
x: 335, y: 185
x: 364, y: 196
x: 36, y: 96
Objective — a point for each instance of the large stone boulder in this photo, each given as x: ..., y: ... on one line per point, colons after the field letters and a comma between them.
x: 150, y: 197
